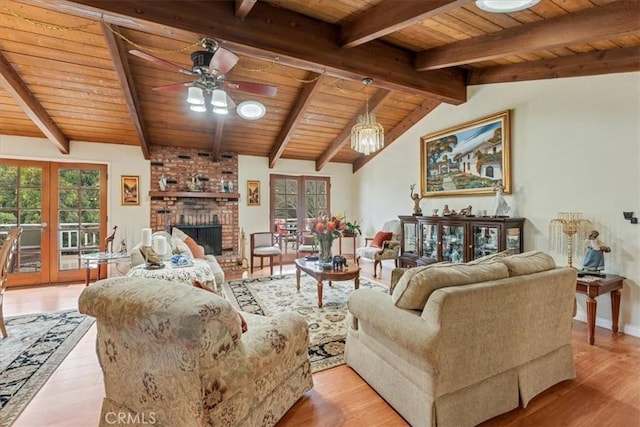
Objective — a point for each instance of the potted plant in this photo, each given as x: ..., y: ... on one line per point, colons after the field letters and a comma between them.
x: 351, y: 229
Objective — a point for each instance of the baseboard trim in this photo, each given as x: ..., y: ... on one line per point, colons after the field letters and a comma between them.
x: 627, y: 329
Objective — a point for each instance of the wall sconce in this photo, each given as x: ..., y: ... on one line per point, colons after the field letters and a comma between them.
x: 629, y: 215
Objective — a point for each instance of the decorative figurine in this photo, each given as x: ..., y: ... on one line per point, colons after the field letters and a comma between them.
x: 108, y: 242
x: 416, y: 201
x: 502, y: 208
x: 594, y: 258
x: 163, y: 183
x: 435, y: 212
x: 466, y: 211
x: 445, y: 210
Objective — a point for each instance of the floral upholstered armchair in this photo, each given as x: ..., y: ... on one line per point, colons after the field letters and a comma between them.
x: 384, y: 245
x: 178, y: 355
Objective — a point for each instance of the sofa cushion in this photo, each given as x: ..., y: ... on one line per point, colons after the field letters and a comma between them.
x: 417, y: 284
x: 196, y: 250
x: 528, y: 262
x: 490, y: 258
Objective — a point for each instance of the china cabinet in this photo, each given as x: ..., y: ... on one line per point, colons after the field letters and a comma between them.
x: 429, y: 239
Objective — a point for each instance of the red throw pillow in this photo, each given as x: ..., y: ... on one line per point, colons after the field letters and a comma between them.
x: 243, y: 323
x: 380, y: 238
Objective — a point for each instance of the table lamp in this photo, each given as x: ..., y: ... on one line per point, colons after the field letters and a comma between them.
x: 563, y: 231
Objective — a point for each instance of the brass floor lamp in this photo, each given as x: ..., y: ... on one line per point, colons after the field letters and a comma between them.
x: 563, y: 231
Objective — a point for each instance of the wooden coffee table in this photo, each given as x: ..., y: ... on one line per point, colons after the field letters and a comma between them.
x: 318, y: 273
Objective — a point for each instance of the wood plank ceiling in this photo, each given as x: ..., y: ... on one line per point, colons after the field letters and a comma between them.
x: 66, y: 73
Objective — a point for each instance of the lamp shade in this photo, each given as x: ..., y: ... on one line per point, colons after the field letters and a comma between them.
x: 195, y: 96
x: 198, y: 108
x: 219, y: 98
x: 220, y: 110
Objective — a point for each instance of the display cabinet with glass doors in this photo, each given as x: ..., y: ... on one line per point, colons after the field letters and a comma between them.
x: 457, y: 239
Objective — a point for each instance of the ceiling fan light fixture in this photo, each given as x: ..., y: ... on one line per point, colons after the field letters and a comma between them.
x: 220, y: 110
x: 505, y: 6
x: 219, y: 98
x: 195, y: 96
x: 198, y: 108
x: 251, y: 110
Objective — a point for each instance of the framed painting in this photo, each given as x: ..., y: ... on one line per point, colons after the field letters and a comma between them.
x: 467, y: 159
x: 130, y: 190
x: 253, y: 193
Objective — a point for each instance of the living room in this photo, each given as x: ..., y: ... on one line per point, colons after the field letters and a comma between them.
x: 575, y: 146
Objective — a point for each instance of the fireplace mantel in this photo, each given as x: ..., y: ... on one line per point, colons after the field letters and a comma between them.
x: 195, y: 195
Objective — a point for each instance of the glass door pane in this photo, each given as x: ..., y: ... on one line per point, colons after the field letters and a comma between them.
x: 453, y: 243
x: 22, y: 195
x: 485, y: 241
x: 430, y: 241
x: 514, y: 240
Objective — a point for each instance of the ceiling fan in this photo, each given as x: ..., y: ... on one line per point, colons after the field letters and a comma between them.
x: 208, y: 72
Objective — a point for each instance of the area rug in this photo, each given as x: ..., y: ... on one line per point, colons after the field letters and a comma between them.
x: 35, y: 347
x: 327, y: 325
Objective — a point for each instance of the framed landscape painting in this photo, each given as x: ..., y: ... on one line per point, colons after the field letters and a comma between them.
x: 129, y: 189
x: 253, y: 193
x: 467, y: 159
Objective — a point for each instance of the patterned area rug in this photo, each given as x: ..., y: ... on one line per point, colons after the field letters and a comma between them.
x: 327, y: 325
x: 35, y: 347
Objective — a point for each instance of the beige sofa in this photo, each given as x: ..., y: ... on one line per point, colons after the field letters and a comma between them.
x: 455, y: 345
x: 175, y: 355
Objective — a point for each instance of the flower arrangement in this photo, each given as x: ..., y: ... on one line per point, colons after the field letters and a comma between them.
x: 327, y: 228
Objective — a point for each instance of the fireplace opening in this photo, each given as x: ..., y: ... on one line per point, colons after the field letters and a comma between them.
x: 209, y: 236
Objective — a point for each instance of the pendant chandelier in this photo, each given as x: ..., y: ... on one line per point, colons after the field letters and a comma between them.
x: 367, y: 135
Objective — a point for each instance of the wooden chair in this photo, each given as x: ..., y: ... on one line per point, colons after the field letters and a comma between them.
x: 305, y: 244
x: 266, y: 245
x: 7, y: 253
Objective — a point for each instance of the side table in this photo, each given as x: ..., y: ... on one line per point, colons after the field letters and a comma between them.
x: 592, y: 287
x: 101, y: 258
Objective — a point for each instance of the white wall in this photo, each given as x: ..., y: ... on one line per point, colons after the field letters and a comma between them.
x: 575, y: 147
x: 256, y: 218
x: 125, y: 160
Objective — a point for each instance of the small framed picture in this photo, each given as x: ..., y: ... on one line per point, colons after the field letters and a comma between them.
x: 253, y: 193
x: 130, y: 190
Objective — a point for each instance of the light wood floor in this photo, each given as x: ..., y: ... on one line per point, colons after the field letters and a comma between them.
x: 606, y: 391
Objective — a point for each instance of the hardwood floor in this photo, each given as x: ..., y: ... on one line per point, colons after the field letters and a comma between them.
x: 606, y: 391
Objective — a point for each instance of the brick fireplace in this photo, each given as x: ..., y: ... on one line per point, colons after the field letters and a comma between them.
x: 200, y: 193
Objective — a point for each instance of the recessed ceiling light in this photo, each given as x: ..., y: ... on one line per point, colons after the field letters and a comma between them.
x: 251, y: 110
x: 505, y: 6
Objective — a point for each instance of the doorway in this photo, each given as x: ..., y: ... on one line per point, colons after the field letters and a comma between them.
x: 62, y: 208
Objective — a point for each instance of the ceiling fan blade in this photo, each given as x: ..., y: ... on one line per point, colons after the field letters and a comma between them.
x: 252, y: 88
x: 161, y: 62
x: 222, y: 61
x: 176, y: 86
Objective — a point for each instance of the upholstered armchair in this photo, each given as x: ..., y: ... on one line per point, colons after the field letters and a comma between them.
x: 384, y: 245
x: 176, y: 355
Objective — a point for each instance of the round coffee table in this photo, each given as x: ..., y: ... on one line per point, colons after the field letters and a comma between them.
x: 352, y: 271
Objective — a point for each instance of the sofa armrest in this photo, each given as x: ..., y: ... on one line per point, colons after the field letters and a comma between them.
x: 161, y: 310
x: 405, y: 328
x: 396, y: 274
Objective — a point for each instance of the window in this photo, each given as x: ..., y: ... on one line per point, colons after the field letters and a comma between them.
x: 297, y: 200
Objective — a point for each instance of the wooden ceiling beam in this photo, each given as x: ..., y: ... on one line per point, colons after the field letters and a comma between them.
x: 217, y: 137
x: 391, y: 16
x: 425, y: 108
x: 612, y: 20
x: 17, y: 88
x: 269, y: 33
x: 243, y: 7
x: 295, y: 116
x: 375, y: 103
x: 118, y: 56
x: 623, y: 60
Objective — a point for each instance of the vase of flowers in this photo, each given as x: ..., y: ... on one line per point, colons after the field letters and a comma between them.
x: 326, y: 229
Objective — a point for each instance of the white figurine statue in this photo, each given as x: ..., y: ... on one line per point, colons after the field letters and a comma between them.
x: 502, y: 208
x: 163, y: 183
